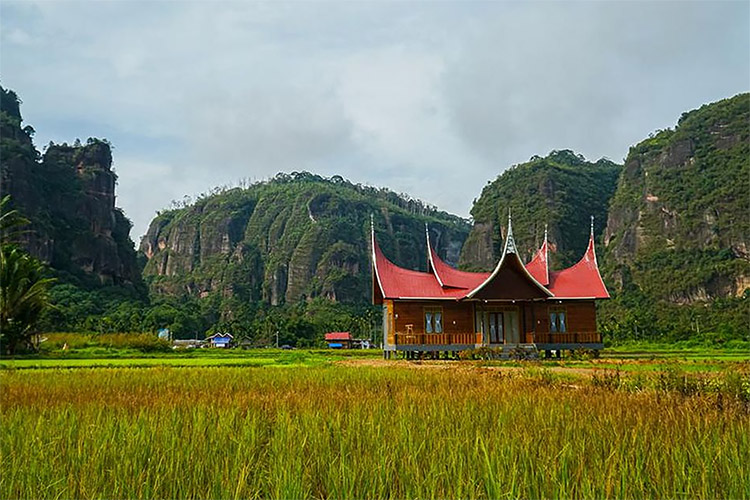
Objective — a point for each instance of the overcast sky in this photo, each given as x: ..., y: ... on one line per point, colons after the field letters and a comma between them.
x: 432, y: 99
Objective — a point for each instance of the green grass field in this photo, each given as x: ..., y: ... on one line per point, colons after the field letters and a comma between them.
x: 631, y: 359
x: 321, y: 424
x: 192, y: 358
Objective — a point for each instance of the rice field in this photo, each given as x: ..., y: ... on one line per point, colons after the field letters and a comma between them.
x: 387, y: 431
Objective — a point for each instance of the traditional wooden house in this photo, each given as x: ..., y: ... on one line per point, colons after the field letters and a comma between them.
x: 516, y: 305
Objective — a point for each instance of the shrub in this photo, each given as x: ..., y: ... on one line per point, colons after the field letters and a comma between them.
x: 142, y: 341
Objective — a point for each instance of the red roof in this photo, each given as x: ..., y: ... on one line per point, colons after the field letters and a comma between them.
x: 338, y: 336
x: 539, y: 267
x: 453, y: 278
x: 399, y: 283
x: 581, y: 280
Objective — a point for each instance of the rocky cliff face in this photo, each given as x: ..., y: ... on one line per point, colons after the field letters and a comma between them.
x: 678, y: 226
x: 293, y: 238
x: 69, y: 196
x: 562, y: 190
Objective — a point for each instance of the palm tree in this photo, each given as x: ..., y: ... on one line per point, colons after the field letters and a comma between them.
x: 23, y: 287
x: 11, y: 223
x: 23, y: 297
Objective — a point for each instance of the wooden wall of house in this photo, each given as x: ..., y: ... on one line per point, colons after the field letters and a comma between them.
x: 458, y: 317
x: 537, y: 316
x: 580, y: 316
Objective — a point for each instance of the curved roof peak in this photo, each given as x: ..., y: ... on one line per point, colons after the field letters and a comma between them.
x: 395, y: 282
x: 582, y: 279
x: 510, y: 276
x: 447, y: 275
x: 376, y: 256
x: 510, y: 258
x: 432, y: 256
x: 539, y: 264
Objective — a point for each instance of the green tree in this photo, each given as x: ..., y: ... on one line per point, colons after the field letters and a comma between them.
x: 11, y: 223
x: 23, y: 297
x: 23, y: 287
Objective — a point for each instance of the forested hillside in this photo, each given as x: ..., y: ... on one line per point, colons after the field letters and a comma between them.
x: 561, y: 190
x: 677, y: 255
x: 292, y: 238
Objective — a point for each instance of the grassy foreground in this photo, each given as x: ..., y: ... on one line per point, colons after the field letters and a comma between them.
x: 337, y: 431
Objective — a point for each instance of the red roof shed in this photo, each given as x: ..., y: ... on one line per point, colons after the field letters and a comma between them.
x: 338, y: 336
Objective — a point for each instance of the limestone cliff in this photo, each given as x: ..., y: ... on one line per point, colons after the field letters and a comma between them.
x: 69, y: 196
x: 295, y: 237
x: 679, y: 222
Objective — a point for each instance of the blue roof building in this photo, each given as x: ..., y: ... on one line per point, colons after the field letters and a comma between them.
x: 220, y: 339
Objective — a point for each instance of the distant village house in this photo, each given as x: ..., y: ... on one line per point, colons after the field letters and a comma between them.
x: 220, y: 340
x: 339, y: 340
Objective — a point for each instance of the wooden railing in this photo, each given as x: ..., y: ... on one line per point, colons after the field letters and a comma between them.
x: 437, y: 338
x: 567, y: 338
x: 476, y: 338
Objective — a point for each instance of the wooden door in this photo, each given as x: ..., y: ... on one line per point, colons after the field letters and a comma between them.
x: 511, y: 326
x: 495, y: 323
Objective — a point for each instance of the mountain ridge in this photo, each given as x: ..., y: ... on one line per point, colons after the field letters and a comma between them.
x: 297, y: 236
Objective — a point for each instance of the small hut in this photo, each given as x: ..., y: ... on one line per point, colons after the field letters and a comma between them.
x: 223, y: 340
x: 339, y: 340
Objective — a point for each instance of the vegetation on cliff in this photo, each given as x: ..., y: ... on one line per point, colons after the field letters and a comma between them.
x: 677, y: 257
x: 561, y: 190
x: 68, y: 194
x: 288, y: 255
x: 293, y: 238
x: 253, y: 261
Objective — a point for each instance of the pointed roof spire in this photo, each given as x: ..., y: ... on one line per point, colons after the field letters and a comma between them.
x: 510, y: 242
x: 375, y: 255
x: 538, y: 267
x: 511, y: 263
x: 373, y: 244
x: 590, y: 254
x: 546, y: 257
x: 372, y: 233
x: 430, y: 258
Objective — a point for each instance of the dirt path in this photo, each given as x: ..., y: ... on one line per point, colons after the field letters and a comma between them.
x: 445, y: 365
